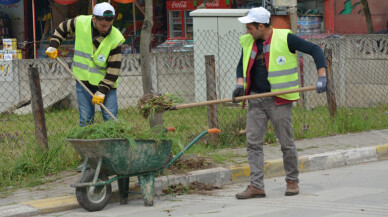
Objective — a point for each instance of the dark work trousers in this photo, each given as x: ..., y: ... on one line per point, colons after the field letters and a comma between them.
x: 259, y: 112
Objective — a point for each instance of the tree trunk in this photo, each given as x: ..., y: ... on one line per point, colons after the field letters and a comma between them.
x: 145, y: 41
x: 368, y: 16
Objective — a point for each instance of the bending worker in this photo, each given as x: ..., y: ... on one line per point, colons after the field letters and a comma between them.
x: 268, y: 63
x: 97, y: 59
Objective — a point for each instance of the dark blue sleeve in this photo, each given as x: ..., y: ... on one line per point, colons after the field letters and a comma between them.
x: 296, y: 43
x: 239, y: 70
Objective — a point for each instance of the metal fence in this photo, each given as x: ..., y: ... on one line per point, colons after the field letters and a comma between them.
x: 357, y: 95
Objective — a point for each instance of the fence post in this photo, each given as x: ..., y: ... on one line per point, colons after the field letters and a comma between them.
x: 37, y: 109
x: 330, y: 92
x: 211, y: 94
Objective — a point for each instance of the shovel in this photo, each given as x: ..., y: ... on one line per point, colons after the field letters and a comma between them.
x: 156, y: 118
x: 83, y: 85
x: 253, y: 96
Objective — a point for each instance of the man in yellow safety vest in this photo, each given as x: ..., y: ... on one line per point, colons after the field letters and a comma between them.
x: 268, y: 63
x: 97, y: 59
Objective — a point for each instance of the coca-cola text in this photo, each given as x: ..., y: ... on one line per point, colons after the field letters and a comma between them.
x: 179, y: 4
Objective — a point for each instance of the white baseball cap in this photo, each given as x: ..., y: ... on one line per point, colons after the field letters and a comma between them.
x: 257, y: 15
x: 103, y: 10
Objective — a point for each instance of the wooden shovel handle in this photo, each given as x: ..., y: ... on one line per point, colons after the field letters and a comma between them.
x: 84, y: 86
x: 254, y: 96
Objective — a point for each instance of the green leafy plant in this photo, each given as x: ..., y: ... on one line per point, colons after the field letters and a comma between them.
x: 150, y: 103
x: 122, y: 129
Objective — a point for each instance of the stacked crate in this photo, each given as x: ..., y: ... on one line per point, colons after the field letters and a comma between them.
x: 309, y: 25
x: 10, y: 51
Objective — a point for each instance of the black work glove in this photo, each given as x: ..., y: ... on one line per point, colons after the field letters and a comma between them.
x: 238, y: 91
x: 321, y: 84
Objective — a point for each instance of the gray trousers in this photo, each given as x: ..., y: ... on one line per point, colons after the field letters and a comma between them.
x: 260, y: 111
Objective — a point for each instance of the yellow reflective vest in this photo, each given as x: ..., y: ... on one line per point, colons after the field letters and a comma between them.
x: 283, y: 66
x: 89, y: 66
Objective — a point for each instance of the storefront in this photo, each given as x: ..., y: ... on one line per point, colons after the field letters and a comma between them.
x: 31, y: 39
x: 16, y: 22
x: 172, y: 20
x: 12, y: 24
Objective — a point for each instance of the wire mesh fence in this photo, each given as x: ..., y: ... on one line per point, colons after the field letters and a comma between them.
x: 357, y: 97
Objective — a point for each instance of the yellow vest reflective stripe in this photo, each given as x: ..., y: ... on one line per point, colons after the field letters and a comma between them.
x: 89, y: 66
x: 282, y: 68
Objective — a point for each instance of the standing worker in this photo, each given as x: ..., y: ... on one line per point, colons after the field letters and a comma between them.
x: 268, y: 63
x: 97, y: 59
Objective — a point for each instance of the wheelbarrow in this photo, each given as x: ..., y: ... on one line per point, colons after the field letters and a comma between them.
x: 120, y: 159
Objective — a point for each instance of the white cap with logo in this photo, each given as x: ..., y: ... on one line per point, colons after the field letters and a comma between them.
x: 103, y: 10
x: 256, y: 15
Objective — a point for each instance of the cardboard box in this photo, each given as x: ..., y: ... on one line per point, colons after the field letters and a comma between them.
x: 10, y: 44
x: 16, y: 54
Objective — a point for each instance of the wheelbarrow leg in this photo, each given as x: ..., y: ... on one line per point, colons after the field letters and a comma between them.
x: 84, y: 166
x: 147, y: 188
x: 123, y: 190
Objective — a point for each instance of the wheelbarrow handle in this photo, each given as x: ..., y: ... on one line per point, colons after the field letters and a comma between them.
x: 170, y: 129
x: 214, y: 130
x: 210, y: 131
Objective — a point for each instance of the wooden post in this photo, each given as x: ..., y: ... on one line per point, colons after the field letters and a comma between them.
x: 37, y: 109
x: 330, y: 92
x: 211, y: 94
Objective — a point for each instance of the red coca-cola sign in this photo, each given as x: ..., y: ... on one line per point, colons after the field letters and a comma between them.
x: 178, y: 4
x: 217, y: 4
x: 213, y: 4
x: 185, y: 5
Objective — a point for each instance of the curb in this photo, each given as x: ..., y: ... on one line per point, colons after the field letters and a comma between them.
x: 327, y: 160
x: 217, y: 176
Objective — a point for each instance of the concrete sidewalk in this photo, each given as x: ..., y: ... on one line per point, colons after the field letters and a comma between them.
x: 314, y: 154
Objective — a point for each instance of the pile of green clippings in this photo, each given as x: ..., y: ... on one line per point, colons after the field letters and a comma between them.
x: 121, y: 129
x: 150, y: 103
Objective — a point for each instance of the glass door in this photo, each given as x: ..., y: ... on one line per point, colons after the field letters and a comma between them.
x: 188, y: 26
x: 175, y: 22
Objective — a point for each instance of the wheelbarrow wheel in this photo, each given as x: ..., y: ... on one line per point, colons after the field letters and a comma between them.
x: 93, y: 198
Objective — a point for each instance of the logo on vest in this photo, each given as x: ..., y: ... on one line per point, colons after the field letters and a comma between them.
x: 101, y: 58
x: 281, y: 60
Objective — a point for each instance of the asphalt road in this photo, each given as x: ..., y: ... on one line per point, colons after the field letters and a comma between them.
x: 352, y: 191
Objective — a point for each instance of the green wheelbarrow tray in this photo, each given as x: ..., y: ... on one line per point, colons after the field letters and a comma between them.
x: 122, y: 158
x: 107, y: 157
